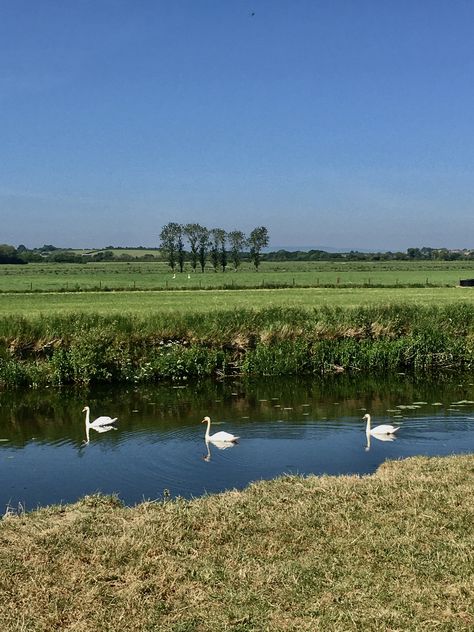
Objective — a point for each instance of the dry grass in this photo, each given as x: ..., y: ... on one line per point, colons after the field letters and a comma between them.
x: 392, y: 551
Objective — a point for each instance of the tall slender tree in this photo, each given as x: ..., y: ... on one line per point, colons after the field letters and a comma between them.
x: 180, y: 247
x: 193, y: 232
x: 169, y: 236
x: 237, y: 243
x: 218, y: 248
x: 223, y: 251
x: 257, y: 240
x: 216, y: 237
x: 203, y: 247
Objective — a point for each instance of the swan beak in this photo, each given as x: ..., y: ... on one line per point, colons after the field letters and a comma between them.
x: 203, y: 420
x: 84, y: 409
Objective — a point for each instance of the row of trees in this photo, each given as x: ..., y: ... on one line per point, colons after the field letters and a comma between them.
x: 235, y: 248
x: 214, y: 245
x: 412, y: 254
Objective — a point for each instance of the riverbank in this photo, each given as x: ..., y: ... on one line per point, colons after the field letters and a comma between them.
x: 391, y: 551
x: 90, y: 348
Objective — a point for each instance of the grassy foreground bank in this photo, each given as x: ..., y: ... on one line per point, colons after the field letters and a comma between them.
x: 68, y: 349
x: 391, y: 551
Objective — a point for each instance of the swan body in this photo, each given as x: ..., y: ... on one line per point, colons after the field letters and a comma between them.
x: 383, y: 429
x: 218, y: 437
x: 101, y: 424
x: 100, y: 421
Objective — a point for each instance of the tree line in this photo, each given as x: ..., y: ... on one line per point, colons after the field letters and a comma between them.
x: 214, y: 245
x: 234, y: 254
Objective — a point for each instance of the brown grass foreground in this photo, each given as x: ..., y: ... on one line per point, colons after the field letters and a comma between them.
x: 391, y: 551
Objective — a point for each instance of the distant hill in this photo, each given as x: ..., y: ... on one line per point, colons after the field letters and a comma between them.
x: 273, y: 248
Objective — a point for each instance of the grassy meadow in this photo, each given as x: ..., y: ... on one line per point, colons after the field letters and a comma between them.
x: 58, y: 337
x: 154, y: 275
x: 199, y: 301
x: 391, y: 551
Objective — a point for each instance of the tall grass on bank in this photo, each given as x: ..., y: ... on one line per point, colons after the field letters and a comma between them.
x: 92, y: 348
x: 391, y: 551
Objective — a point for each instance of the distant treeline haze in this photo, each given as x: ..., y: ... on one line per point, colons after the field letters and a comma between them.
x: 199, y: 247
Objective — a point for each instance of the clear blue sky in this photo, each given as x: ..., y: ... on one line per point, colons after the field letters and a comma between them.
x: 343, y: 123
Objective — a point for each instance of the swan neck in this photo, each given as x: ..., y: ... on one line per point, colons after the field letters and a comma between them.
x: 87, y: 419
x: 367, y: 428
x: 208, y: 429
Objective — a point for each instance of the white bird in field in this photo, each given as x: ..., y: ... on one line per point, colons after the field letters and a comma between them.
x: 101, y: 424
x: 378, y: 431
x: 218, y: 437
x: 174, y: 276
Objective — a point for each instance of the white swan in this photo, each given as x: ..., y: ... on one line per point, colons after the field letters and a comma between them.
x: 101, y: 424
x: 384, y: 429
x: 218, y: 437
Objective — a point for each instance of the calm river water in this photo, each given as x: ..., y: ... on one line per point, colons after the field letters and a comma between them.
x: 286, y: 426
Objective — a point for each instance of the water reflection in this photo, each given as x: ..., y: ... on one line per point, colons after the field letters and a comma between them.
x: 286, y: 426
x: 386, y: 437
x: 101, y: 424
x: 382, y: 432
x: 220, y: 445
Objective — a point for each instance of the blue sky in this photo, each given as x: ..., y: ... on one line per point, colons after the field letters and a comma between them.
x: 338, y: 123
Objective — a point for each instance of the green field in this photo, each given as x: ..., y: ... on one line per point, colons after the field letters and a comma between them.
x: 130, y: 321
x: 150, y: 275
x: 30, y: 304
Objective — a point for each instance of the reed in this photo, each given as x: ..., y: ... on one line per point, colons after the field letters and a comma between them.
x: 90, y: 348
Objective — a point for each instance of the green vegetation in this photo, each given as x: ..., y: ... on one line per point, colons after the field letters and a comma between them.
x: 258, y: 239
x: 213, y: 245
x: 101, y: 335
x: 9, y: 255
x: 153, y: 275
x: 391, y: 551
x: 233, y: 245
x: 171, y: 302
x: 82, y: 348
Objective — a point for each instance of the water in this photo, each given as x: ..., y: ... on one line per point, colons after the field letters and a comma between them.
x: 158, y: 449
